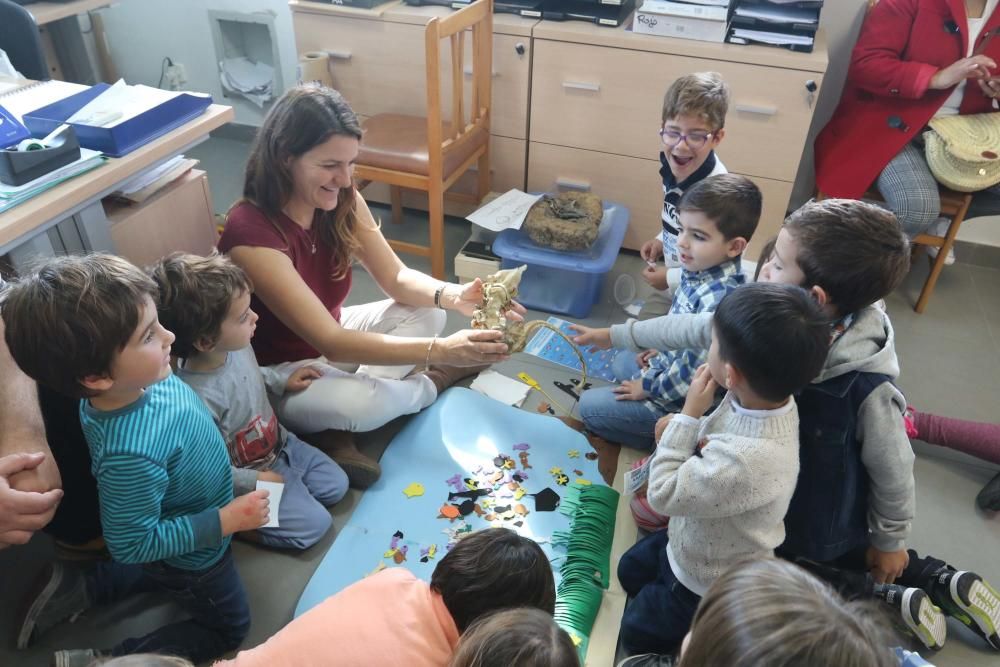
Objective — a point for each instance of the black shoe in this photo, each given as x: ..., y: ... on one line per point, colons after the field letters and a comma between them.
x: 969, y: 598
x: 58, y: 592
x: 989, y: 497
x: 917, y: 613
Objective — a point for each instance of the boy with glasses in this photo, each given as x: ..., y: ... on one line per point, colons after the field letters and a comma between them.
x: 694, y: 116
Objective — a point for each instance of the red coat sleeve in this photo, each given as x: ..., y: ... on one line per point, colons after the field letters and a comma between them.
x: 877, y: 63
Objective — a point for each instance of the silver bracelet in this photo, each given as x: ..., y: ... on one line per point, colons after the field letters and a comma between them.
x: 437, y: 295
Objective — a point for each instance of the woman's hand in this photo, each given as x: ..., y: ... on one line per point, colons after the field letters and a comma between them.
x: 976, y: 67
x: 990, y: 87
x: 470, y: 347
x: 466, y: 298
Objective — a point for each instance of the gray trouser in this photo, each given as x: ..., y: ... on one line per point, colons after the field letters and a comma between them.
x: 911, y: 192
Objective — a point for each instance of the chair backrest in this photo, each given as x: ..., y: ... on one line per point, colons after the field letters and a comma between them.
x: 19, y: 38
x: 476, y: 19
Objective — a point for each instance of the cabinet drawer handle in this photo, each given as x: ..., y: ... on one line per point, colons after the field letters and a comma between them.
x: 570, y: 184
x: 579, y: 85
x: 339, y: 55
x: 468, y: 71
x: 763, y: 111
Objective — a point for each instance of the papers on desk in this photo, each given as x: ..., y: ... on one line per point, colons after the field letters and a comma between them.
x: 767, y: 37
x: 23, y: 99
x: 140, y: 188
x: 779, y: 14
x: 11, y: 196
x: 122, y: 102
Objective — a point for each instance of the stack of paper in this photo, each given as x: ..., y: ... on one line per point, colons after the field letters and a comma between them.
x: 705, y: 20
x: 788, y: 23
x: 11, y: 196
x: 140, y: 188
x: 247, y: 78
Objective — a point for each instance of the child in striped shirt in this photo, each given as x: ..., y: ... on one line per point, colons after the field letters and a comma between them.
x: 87, y: 326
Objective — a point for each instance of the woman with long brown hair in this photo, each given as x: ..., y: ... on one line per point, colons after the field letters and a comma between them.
x: 296, y: 232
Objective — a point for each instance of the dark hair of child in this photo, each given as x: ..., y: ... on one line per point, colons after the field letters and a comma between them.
x: 775, y: 335
x: 490, y: 570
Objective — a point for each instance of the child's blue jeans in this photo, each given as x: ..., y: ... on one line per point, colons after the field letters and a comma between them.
x: 214, y: 598
x: 313, y: 482
x: 661, y: 608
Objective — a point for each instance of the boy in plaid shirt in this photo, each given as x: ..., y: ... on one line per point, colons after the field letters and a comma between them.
x: 718, y: 216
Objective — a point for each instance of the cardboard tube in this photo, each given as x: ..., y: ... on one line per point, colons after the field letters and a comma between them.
x: 314, y: 66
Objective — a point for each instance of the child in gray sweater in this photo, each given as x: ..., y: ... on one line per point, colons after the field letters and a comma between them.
x: 205, y: 301
x: 725, y: 479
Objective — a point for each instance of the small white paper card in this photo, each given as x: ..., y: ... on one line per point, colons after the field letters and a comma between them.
x: 501, y: 388
x: 275, y: 489
x: 637, y: 477
x: 505, y: 212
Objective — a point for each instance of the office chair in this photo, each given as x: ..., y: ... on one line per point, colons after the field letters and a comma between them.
x: 19, y: 37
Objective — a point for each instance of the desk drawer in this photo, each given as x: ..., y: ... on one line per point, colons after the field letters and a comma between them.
x: 379, y: 68
x: 610, y: 100
x: 636, y: 184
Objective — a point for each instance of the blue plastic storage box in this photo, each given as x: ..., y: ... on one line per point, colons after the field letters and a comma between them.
x: 560, y: 281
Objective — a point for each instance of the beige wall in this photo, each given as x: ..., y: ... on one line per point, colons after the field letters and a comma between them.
x: 841, y: 19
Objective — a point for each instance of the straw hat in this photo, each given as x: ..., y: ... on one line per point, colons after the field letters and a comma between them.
x: 963, y: 152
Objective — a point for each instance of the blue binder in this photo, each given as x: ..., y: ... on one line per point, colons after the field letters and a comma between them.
x: 124, y: 137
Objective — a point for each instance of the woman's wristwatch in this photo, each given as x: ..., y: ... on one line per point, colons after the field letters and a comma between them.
x: 437, y: 295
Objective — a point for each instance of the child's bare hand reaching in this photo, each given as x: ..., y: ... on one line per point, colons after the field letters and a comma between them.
x: 597, y: 339
x: 302, y: 378
x: 643, y: 357
x: 655, y: 277
x: 886, y: 566
x: 245, y: 512
x: 701, y: 395
x: 630, y: 390
x: 661, y: 425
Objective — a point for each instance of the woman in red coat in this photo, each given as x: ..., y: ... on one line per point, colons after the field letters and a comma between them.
x: 914, y: 60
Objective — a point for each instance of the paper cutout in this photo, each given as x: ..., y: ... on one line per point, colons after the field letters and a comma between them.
x: 414, y: 490
x: 546, y: 500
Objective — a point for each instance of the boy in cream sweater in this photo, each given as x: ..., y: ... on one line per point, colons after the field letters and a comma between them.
x: 724, y: 479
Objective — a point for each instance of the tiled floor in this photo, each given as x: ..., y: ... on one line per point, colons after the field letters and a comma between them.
x: 950, y: 358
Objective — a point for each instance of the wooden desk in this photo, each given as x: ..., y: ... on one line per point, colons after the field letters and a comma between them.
x: 23, y: 229
x: 47, y: 12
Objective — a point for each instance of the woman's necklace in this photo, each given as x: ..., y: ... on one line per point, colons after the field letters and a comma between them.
x: 312, y: 238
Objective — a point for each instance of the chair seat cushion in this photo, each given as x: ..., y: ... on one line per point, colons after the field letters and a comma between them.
x: 398, y: 142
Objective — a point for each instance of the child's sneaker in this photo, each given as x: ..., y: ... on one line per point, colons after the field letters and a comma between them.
x: 58, y: 592
x: 969, y: 598
x: 80, y: 657
x: 917, y: 612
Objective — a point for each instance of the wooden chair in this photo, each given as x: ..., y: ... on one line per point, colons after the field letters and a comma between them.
x: 431, y: 153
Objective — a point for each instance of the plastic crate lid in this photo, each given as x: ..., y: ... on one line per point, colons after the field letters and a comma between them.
x: 515, y: 245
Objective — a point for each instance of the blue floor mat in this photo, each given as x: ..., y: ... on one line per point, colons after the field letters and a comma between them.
x: 462, y: 432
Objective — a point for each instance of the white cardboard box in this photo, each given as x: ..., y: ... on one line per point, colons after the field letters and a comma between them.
x: 648, y: 20
x: 468, y: 268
